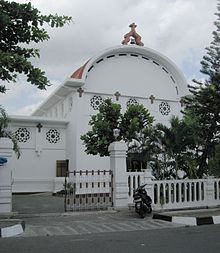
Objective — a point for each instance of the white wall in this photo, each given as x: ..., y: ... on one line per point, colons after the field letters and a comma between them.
x: 131, y: 75
x: 78, y: 125
x: 134, y: 77
x: 35, y: 170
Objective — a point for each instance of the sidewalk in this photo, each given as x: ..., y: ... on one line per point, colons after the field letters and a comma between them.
x: 29, y: 205
x: 47, y: 207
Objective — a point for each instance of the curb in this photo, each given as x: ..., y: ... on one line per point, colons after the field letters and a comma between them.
x: 71, y: 213
x: 189, y: 221
x: 10, y: 231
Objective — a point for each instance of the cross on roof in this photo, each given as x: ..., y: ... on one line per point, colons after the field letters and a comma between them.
x: 133, y: 34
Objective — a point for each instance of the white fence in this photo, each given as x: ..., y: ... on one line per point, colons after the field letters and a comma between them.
x: 85, y: 190
x: 176, y: 194
x: 93, y: 189
x: 101, y: 189
x: 135, y: 179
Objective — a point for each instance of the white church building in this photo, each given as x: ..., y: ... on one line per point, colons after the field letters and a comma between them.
x: 129, y: 73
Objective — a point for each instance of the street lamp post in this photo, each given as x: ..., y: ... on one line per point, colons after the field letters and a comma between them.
x: 116, y: 133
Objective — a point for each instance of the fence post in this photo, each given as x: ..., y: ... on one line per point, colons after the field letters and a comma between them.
x: 210, y: 192
x: 148, y: 180
x: 5, y: 177
x: 118, y: 166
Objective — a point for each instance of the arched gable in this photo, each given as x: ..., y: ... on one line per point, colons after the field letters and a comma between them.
x: 133, y: 70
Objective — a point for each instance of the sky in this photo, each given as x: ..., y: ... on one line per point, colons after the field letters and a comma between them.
x: 179, y: 29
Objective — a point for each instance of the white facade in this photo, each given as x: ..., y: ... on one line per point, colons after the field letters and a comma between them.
x: 136, y: 74
x: 35, y: 170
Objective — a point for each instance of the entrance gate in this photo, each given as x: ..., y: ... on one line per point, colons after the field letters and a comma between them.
x: 88, y: 190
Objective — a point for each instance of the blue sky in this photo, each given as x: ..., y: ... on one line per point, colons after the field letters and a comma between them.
x: 179, y: 29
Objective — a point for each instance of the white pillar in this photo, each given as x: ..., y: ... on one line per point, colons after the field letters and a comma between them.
x: 6, y: 177
x: 148, y: 180
x: 210, y: 192
x: 118, y: 166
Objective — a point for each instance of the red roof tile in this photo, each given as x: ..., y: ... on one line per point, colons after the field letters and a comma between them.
x: 79, y: 72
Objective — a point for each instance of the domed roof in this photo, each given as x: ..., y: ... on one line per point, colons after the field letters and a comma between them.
x: 168, y: 67
x: 130, y: 69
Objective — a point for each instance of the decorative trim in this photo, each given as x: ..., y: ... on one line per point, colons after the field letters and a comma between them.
x: 22, y: 134
x: 52, y: 136
x: 132, y: 101
x: 152, y: 98
x: 80, y: 90
x: 128, y: 96
x: 96, y: 101
x: 39, y: 126
x: 164, y: 108
x: 117, y: 95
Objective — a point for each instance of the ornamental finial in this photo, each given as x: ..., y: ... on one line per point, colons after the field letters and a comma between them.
x: 133, y: 34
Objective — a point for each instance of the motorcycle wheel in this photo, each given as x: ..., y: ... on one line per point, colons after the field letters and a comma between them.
x: 137, y: 208
x: 149, y: 209
x: 142, y: 213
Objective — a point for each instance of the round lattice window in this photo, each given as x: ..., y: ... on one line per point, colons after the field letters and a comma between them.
x: 53, y: 136
x: 96, y: 101
x: 132, y: 101
x: 164, y: 108
x: 22, y: 134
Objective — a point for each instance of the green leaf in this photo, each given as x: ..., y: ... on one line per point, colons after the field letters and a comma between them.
x: 22, y: 23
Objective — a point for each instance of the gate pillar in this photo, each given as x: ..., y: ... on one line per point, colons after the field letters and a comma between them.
x: 6, y: 177
x: 118, y: 167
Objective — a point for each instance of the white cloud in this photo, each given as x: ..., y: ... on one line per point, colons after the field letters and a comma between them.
x: 180, y: 29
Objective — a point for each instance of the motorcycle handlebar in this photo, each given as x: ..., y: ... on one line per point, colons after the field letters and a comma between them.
x: 141, y: 186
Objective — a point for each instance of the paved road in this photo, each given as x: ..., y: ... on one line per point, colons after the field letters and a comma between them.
x: 201, y: 239
x: 83, y: 224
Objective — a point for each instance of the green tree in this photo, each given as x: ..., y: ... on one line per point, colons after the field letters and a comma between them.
x: 100, y: 136
x: 214, y: 162
x: 4, y: 132
x: 21, y: 24
x: 145, y: 149
x: 138, y: 132
x: 204, y: 102
x: 134, y: 126
x: 134, y: 122
x: 177, y: 143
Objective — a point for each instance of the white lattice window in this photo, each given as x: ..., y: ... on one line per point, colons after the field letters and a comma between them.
x: 164, y: 108
x: 53, y: 136
x: 132, y: 101
x: 96, y: 101
x: 22, y: 134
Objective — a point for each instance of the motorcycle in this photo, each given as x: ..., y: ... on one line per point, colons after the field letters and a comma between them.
x: 142, y: 201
